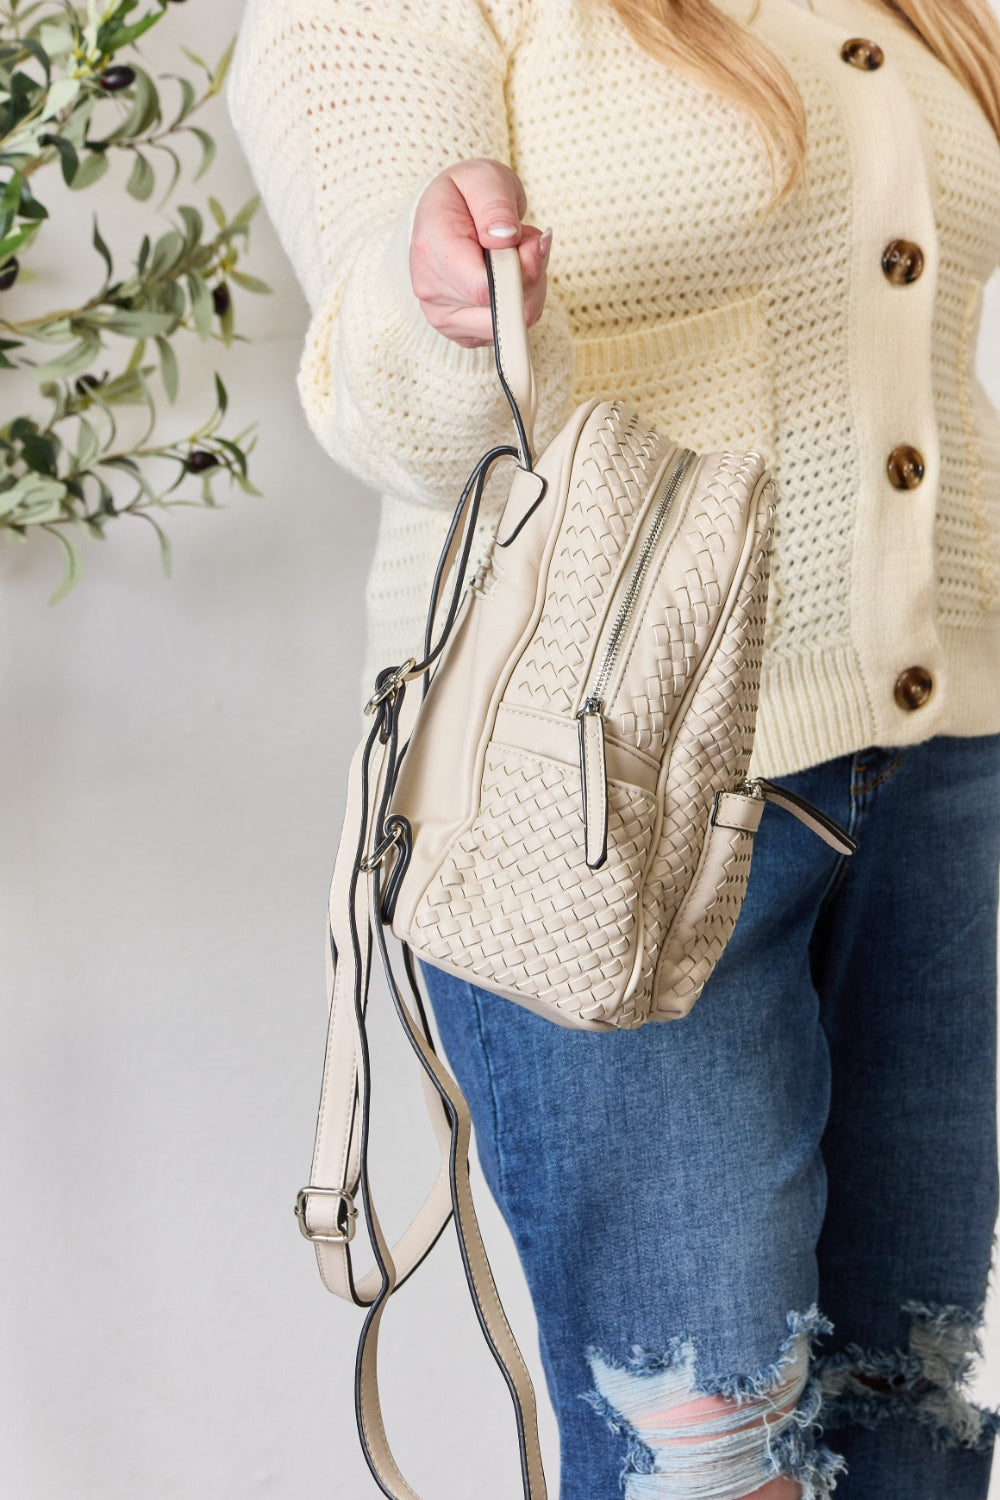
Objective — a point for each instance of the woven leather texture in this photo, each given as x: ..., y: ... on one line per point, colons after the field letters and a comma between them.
x: 514, y: 906
x: 676, y: 632
x: 512, y: 902
x: 712, y: 752
x: 611, y: 479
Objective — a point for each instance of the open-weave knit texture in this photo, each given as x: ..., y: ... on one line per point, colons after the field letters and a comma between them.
x: 674, y: 289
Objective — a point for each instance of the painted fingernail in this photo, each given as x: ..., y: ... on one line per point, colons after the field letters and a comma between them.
x: 545, y: 241
x: 502, y: 231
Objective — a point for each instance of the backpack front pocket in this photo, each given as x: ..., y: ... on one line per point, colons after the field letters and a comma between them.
x: 515, y: 902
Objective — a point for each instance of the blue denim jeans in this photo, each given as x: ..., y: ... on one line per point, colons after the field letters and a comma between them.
x: 787, y: 1198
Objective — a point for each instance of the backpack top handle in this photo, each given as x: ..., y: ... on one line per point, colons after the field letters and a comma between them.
x: 510, y: 345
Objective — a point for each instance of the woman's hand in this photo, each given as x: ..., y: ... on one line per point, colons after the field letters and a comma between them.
x: 469, y: 206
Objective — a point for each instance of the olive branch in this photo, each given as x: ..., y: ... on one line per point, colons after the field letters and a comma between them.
x: 61, y: 77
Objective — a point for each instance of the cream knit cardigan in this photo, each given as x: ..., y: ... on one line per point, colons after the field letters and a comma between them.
x: 672, y: 288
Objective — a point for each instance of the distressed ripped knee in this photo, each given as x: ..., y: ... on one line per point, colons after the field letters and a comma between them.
x: 924, y: 1383
x: 728, y: 1439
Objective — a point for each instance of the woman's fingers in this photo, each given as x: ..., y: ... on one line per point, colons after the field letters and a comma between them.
x: 471, y: 206
x: 446, y: 262
x: 495, y: 199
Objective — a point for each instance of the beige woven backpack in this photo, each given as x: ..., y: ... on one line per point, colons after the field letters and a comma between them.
x: 552, y: 801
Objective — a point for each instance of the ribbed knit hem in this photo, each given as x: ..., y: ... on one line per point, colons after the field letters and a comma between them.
x: 818, y: 708
x: 392, y: 316
x: 811, y: 709
x: 973, y: 654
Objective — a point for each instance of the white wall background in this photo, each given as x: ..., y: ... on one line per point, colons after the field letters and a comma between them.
x: 171, y: 766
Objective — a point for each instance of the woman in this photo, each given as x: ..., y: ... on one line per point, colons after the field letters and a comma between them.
x: 757, y: 1241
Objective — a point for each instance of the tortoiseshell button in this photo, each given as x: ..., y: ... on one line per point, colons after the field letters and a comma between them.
x: 913, y: 687
x: 862, y: 53
x: 902, y: 262
x: 905, y: 467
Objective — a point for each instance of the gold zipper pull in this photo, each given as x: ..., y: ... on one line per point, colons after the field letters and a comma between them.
x: 594, y: 783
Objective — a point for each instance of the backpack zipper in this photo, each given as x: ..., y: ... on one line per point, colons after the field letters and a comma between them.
x: 591, y: 715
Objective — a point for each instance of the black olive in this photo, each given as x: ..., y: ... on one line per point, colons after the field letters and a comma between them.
x: 200, y: 460
x: 118, y: 76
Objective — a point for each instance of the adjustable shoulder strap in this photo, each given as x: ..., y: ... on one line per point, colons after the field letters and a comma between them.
x: 326, y: 1209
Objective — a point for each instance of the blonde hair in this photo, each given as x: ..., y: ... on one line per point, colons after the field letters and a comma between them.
x: 722, y: 53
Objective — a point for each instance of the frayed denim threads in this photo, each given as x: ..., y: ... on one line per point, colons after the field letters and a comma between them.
x: 701, y: 1450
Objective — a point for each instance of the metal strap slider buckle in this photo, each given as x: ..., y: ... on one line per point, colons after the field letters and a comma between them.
x: 346, y: 1215
x: 392, y: 684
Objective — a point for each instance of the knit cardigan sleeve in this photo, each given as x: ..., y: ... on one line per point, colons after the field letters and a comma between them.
x: 345, y: 112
